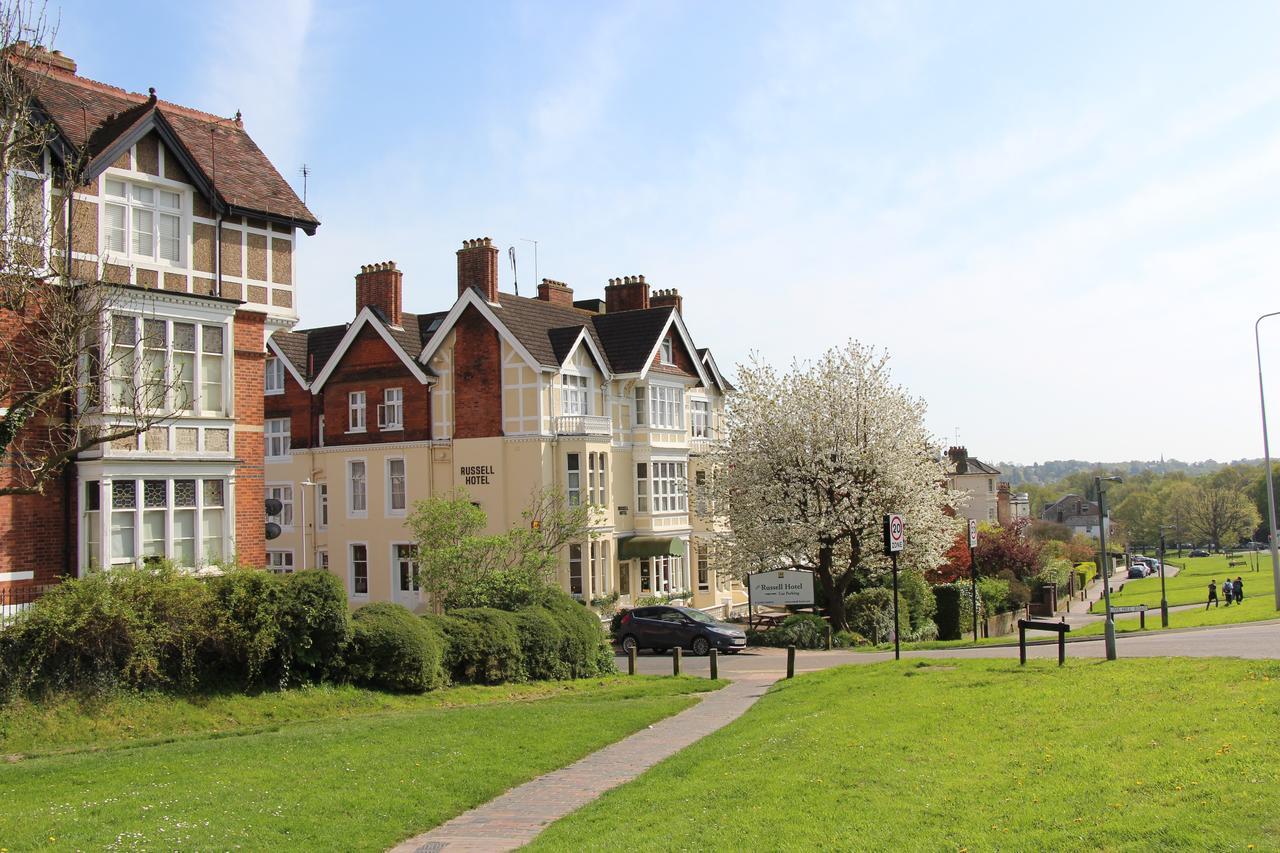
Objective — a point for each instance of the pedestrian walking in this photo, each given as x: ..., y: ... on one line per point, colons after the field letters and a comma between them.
x: 1237, y: 589
x: 1213, y: 595
x: 1226, y: 591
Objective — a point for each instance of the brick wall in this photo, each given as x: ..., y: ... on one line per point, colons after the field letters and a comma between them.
x: 296, y: 404
x: 684, y: 363
x: 251, y: 516
x: 371, y: 366
x: 477, y: 357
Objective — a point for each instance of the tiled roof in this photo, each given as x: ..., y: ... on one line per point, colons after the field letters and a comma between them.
x: 415, y: 330
x: 532, y: 321
x: 630, y: 336
x: 91, y: 115
x: 293, y: 346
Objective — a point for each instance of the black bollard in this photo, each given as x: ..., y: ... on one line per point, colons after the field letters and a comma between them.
x: 791, y: 661
x: 631, y: 661
x: 675, y: 660
x: 715, y: 668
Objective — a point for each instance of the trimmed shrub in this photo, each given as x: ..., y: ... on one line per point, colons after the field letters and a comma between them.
x: 802, y: 630
x: 542, y: 642
x: 245, y: 647
x: 914, y: 590
x: 585, y: 648
x: 393, y: 649
x: 314, y: 624
x: 483, y: 646
x: 870, y: 613
x: 993, y: 594
x: 848, y: 640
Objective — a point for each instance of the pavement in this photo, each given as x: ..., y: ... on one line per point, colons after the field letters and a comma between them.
x: 518, y: 816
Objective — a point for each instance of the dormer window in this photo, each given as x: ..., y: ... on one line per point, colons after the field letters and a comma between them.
x: 665, y: 355
x: 573, y: 395
x: 142, y: 222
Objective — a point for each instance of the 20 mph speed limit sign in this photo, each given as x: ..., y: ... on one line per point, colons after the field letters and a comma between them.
x: 894, y: 538
x: 973, y: 533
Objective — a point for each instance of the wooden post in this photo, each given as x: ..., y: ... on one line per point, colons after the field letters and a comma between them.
x: 829, y: 646
x: 675, y: 660
x: 1022, y: 643
x: 631, y: 661
x: 715, y: 669
x: 1062, y: 646
x: 1142, y: 620
x: 791, y: 661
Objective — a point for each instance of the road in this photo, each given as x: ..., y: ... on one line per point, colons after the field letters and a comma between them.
x: 1255, y: 641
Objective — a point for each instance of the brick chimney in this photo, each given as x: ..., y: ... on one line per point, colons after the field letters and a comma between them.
x: 629, y: 293
x: 39, y: 54
x: 478, y: 268
x: 959, y: 458
x: 555, y: 292
x: 379, y: 286
x: 669, y: 297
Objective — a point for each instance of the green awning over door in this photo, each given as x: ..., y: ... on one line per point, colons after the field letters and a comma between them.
x: 637, y: 547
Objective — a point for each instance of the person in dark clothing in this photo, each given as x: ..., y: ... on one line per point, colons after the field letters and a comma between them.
x: 1213, y: 595
x: 1237, y: 589
x: 1226, y: 591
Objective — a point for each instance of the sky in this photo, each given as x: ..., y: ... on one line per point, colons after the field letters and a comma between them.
x: 1060, y: 220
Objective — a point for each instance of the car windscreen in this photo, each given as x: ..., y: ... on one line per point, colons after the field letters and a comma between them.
x: 696, y: 615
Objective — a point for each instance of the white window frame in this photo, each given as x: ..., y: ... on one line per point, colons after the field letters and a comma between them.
x: 112, y: 357
x: 352, y: 512
x: 660, y: 406
x: 276, y: 437
x: 699, y: 417
x: 642, y: 487
x: 666, y: 353
x: 575, y: 561
x: 392, y: 510
x: 575, y: 394
x: 285, y: 490
x: 129, y: 205
x: 391, y: 410
x: 416, y: 583
x: 273, y: 376
x: 668, y: 481
x: 322, y: 559
x: 322, y: 506
x: 704, y: 568
x: 573, y: 478
x: 351, y: 568
x: 280, y: 561
x: 105, y: 516
x: 356, y: 404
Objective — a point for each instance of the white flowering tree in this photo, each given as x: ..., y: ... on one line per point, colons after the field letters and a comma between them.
x: 814, y: 458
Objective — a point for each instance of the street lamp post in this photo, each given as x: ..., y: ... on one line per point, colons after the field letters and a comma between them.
x: 1266, y: 452
x: 305, y: 483
x: 1164, y: 602
x: 1109, y: 627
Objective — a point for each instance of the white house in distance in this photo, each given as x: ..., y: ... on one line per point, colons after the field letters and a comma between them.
x: 1078, y: 513
x: 976, y: 478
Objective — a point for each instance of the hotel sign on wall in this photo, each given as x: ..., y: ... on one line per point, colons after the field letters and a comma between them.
x: 476, y: 475
x: 781, y: 588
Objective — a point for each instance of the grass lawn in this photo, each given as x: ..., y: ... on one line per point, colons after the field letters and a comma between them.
x: 979, y: 755
x: 324, y: 769
x: 1256, y: 609
x: 1191, y: 584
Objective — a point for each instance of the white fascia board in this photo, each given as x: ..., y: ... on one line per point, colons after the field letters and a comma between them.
x: 584, y: 335
x: 366, y: 316
x: 486, y: 311
x: 688, y: 346
x: 710, y: 361
x: 288, y: 364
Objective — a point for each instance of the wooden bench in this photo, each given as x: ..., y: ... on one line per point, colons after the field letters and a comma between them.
x: 1231, y: 564
x: 1040, y: 625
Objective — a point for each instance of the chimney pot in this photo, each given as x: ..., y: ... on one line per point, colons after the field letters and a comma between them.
x: 478, y: 268
x: 627, y: 293
x: 381, y: 286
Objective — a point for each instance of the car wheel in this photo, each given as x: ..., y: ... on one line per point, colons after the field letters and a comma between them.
x: 629, y: 643
x: 701, y: 646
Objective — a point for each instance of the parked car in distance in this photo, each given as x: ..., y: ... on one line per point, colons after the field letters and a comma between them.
x: 664, y: 627
x: 1199, y: 552
x: 1138, y: 570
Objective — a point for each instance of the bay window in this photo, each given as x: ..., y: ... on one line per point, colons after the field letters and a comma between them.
x: 660, y: 406
x: 642, y: 487
x: 573, y: 396
x: 162, y: 358
x: 142, y: 222
x: 596, y: 493
x: 178, y: 519
x: 575, y: 569
x: 661, y: 484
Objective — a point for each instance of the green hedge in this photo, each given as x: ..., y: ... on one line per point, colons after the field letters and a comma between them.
x: 394, y: 650
x: 947, y: 617
x: 483, y: 646
x: 802, y: 630
x: 870, y: 613
x: 542, y: 644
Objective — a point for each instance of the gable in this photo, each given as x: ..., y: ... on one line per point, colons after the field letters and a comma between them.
x: 684, y: 361
x: 368, y: 355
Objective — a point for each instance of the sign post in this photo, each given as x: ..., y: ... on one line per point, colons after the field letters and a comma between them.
x: 894, y: 539
x: 973, y: 572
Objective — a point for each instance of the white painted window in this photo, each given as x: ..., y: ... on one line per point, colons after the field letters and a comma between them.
x: 163, y: 358
x: 405, y: 559
x: 596, y: 567
x: 668, y: 486
x: 277, y: 437
x: 359, y: 569
x: 574, y: 399
x: 704, y: 581
x: 596, y: 478
x: 273, y: 375
x: 700, y: 419
x: 322, y: 559
x: 358, y: 491
x: 575, y: 569
x: 667, y: 356
x: 396, y: 486
x: 93, y: 524
x: 280, y: 562
x: 573, y: 478
x: 142, y: 222
x: 323, y: 500
x: 660, y: 406
x: 180, y: 519
x: 646, y: 575
x: 391, y: 409
x: 355, y: 411
x: 642, y: 487
x: 284, y: 494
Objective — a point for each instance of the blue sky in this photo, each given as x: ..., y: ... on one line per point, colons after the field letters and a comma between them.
x: 1060, y: 220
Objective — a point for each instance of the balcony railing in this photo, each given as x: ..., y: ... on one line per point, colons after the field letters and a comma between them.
x: 583, y: 425
x: 699, y: 445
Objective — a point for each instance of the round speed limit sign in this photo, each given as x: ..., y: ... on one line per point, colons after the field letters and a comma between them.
x: 896, y: 539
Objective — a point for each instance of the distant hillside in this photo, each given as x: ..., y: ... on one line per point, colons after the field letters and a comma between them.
x: 1051, y: 472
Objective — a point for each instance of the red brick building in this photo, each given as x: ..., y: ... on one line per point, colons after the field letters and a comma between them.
x: 188, y: 219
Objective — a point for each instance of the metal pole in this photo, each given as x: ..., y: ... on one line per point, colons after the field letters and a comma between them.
x: 1266, y: 452
x: 897, y: 645
x: 1109, y: 627
x: 1164, y: 602
x: 304, y: 484
x: 973, y: 576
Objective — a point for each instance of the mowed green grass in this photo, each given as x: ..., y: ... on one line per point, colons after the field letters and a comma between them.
x: 1191, y: 584
x: 978, y: 755
x: 360, y: 779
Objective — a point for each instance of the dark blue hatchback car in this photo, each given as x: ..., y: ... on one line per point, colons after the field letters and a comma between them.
x: 663, y: 627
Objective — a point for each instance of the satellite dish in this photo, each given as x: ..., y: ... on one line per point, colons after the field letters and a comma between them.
x: 273, y: 530
x: 274, y: 506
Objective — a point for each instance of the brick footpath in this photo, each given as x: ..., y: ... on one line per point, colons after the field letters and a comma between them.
x: 515, y: 818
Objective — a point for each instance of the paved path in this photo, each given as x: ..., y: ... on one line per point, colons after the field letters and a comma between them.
x: 515, y: 818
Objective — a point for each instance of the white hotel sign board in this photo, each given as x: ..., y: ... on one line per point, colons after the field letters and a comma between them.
x: 781, y: 588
